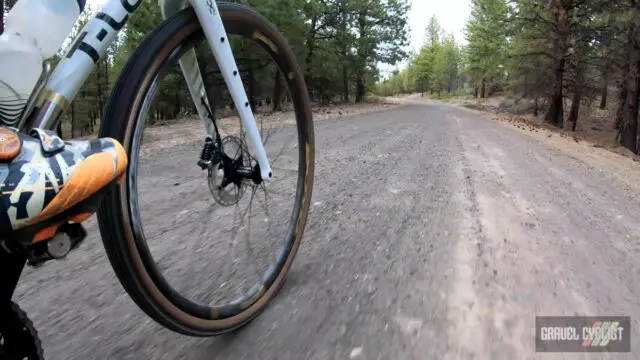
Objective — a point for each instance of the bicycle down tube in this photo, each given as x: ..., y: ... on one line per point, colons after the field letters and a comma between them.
x: 78, y: 63
x: 96, y: 36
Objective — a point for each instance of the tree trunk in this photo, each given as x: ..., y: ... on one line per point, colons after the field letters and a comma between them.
x: 577, y: 96
x: 535, y: 107
x: 359, y: 89
x: 251, y: 91
x: 629, y: 126
x: 575, y: 109
x: 210, y: 89
x: 475, y: 91
x: 311, y: 41
x: 604, y: 91
x: 491, y: 89
x: 482, y: 89
x: 345, y: 84
x: 100, y: 95
x: 622, y: 103
x: 362, y: 55
x: 177, y: 105
x: 277, y: 92
x: 59, y: 128
x: 555, y: 114
x: 560, y: 11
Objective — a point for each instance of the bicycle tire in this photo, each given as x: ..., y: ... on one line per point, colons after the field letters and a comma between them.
x: 124, y: 248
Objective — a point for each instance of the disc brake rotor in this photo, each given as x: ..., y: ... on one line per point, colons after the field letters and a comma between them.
x: 224, y: 192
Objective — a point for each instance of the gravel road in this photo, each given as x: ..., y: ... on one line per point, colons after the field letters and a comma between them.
x: 434, y: 234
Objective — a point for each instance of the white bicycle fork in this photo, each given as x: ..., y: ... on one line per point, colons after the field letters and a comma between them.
x: 211, y: 22
x: 75, y: 67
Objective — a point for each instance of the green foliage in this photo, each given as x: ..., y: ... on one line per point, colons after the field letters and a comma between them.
x: 552, y: 52
x: 435, y: 68
x: 487, y: 41
x: 338, y: 43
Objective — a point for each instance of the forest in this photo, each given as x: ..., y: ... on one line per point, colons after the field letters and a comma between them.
x: 557, y: 54
x: 338, y: 43
x: 560, y: 56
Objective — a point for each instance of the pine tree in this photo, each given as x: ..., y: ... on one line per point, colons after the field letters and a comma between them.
x: 487, y: 42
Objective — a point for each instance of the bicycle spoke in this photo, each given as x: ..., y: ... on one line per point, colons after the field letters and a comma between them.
x: 271, y: 190
x: 266, y: 207
x: 235, y: 228
x: 266, y: 204
x: 281, y: 169
x: 267, y: 137
x: 206, y: 218
x: 275, y: 158
x: 270, y: 132
x: 242, y: 216
x: 247, y: 239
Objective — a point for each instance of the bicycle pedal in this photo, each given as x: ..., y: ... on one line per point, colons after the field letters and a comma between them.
x: 67, y: 237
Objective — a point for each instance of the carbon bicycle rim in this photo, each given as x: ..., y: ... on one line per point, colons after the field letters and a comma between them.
x: 191, y: 303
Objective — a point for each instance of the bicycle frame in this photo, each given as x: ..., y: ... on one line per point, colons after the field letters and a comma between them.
x: 94, y: 39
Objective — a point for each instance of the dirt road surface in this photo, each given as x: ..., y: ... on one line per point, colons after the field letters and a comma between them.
x: 434, y: 234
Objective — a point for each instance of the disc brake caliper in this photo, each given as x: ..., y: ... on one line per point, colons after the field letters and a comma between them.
x: 210, y: 154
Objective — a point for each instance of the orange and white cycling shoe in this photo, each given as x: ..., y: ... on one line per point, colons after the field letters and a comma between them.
x: 47, y: 185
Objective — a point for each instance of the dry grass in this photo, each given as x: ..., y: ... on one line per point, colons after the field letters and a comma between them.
x: 595, y: 126
x: 593, y: 142
x: 169, y: 134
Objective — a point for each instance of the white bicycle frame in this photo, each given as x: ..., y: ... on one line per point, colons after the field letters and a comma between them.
x: 90, y: 45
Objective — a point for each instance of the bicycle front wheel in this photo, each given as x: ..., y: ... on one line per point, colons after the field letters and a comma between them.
x: 150, y: 249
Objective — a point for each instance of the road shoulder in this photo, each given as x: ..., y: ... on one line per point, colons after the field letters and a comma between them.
x: 618, y: 164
